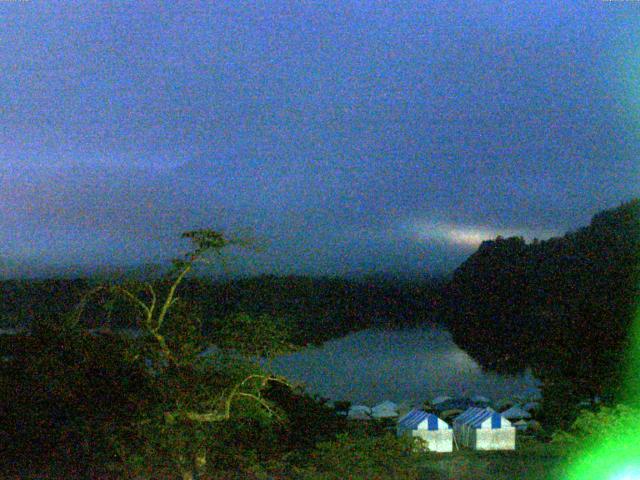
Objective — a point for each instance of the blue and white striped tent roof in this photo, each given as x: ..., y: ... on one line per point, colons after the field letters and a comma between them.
x: 421, y: 420
x: 482, y: 418
x: 472, y: 412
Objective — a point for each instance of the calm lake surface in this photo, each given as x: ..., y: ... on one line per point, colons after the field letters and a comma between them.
x: 408, y: 365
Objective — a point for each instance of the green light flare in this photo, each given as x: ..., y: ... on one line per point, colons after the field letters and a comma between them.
x: 614, y: 457
x: 615, y: 454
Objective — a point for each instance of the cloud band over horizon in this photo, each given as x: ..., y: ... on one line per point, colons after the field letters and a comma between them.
x: 325, y: 129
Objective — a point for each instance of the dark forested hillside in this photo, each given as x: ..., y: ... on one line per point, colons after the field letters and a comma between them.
x: 315, y: 309
x: 561, y: 306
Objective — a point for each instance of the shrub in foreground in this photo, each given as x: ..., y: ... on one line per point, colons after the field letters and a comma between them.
x: 357, y: 457
x: 593, y: 425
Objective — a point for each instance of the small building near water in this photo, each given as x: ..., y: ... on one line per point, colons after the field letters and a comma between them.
x: 484, y: 429
x: 359, y: 412
x: 450, y: 409
x: 531, y: 407
x: 480, y: 401
x: 438, y: 400
x: 505, y: 404
x: 427, y: 426
x: 516, y: 413
x: 386, y: 409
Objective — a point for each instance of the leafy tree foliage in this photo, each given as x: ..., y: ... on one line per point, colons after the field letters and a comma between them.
x: 166, y: 416
x: 193, y: 390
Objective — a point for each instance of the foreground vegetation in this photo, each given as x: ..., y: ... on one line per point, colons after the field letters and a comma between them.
x: 530, y: 461
x: 85, y: 403
x: 188, y: 396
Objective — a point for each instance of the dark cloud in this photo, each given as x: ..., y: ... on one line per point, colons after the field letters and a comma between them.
x: 325, y: 129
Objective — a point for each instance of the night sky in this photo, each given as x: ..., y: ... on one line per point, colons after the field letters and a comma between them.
x: 348, y: 136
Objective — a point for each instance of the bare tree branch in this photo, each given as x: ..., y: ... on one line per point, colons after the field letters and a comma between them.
x: 153, y: 298
x: 80, y: 307
x: 225, y: 414
x: 169, y: 300
x: 143, y: 306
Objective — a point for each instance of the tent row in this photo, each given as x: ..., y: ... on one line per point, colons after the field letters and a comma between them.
x: 446, y: 408
x: 386, y: 409
x: 520, y: 415
x: 445, y: 402
x: 475, y: 428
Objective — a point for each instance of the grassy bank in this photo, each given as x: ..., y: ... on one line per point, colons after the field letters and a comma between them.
x: 530, y: 461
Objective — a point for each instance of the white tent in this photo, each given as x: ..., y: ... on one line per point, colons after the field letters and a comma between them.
x: 359, y: 412
x: 427, y: 426
x: 440, y: 399
x: 386, y: 409
x: 516, y: 413
x: 484, y: 429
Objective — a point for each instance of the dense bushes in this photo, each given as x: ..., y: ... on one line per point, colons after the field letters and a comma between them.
x: 75, y: 400
x: 592, y: 426
x: 362, y: 457
x: 63, y: 396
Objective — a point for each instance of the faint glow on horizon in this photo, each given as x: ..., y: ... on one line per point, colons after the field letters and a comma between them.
x: 466, y: 235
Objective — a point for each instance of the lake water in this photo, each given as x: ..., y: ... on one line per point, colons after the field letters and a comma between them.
x: 408, y: 365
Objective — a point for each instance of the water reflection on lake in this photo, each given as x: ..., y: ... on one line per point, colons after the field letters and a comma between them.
x: 408, y: 365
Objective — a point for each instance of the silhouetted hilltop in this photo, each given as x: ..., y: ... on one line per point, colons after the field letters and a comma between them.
x: 562, y: 306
